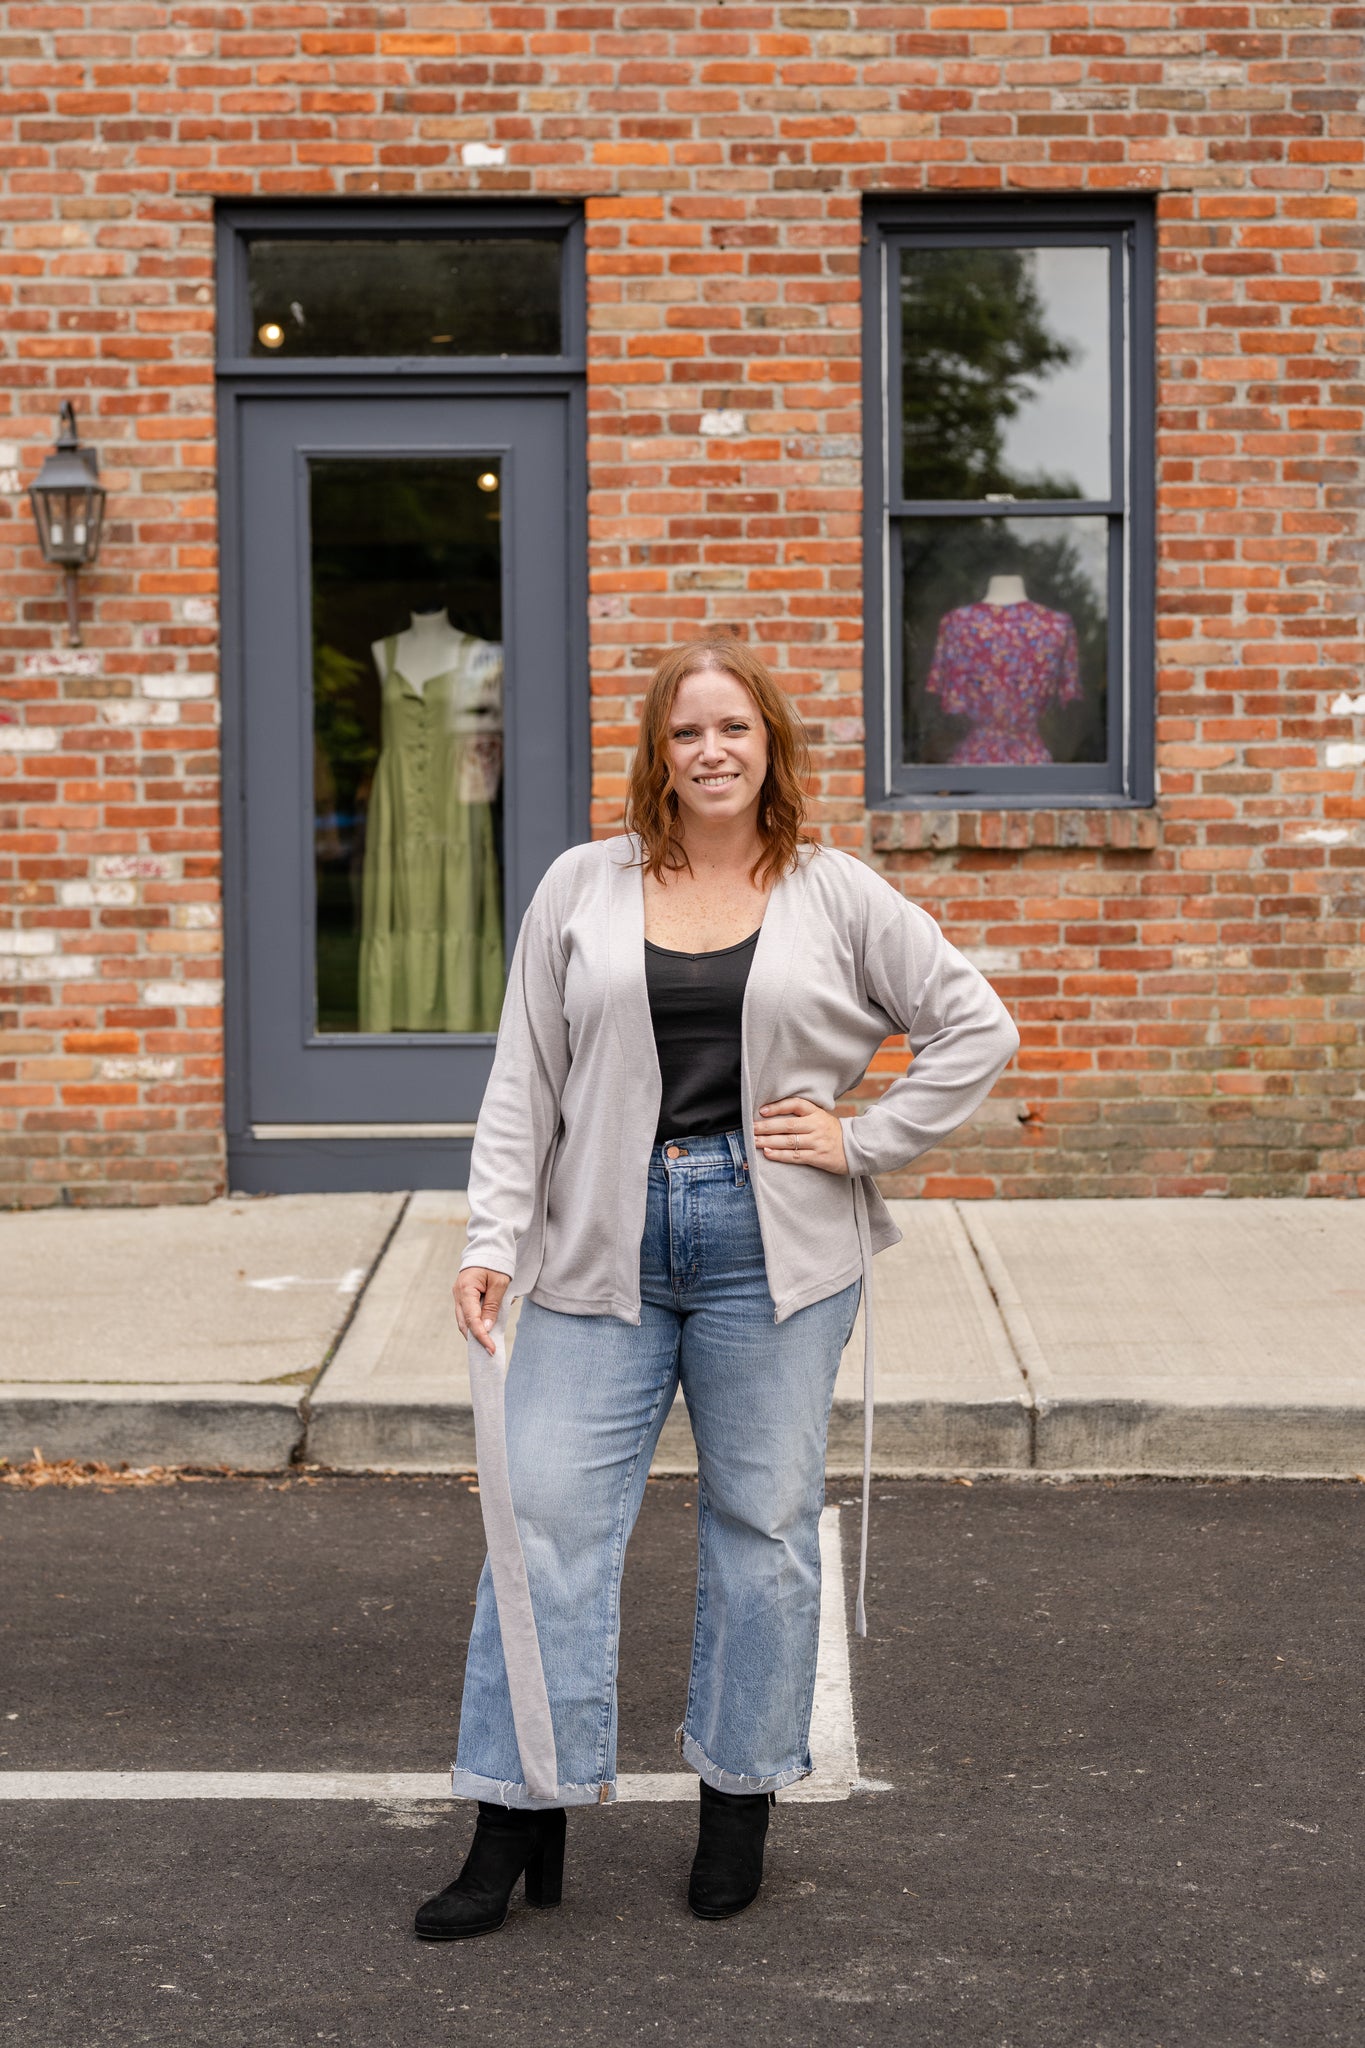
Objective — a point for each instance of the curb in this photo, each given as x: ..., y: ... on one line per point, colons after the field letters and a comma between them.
x: 268, y: 1429
x: 252, y: 1429
x: 1141, y: 1436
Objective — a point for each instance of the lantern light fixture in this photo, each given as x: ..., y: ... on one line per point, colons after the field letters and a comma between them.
x: 68, y: 510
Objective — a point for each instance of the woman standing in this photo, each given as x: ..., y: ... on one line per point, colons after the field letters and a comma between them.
x: 660, y: 1173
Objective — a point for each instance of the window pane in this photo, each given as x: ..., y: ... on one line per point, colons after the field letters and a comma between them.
x: 1005, y: 372
x: 1006, y: 640
x: 424, y: 296
x: 407, y: 743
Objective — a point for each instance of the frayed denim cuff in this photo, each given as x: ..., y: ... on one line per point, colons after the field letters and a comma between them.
x: 736, y: 1781
x: 510, y: 1792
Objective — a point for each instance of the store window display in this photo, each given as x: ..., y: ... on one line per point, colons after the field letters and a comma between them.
x: 1000, y: 664
x: 1005, y: 635
x: 431, y: 944
x: 408, y: 753
x: 1009, y: 503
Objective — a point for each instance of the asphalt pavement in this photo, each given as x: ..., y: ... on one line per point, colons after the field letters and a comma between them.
x: 1117, y: 1727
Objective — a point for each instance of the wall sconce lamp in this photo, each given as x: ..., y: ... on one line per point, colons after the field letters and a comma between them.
x: 68, y: 509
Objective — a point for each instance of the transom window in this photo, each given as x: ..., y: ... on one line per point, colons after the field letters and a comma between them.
x: 319, y: 287
x: 1009, y: 472
x: 397, y: 295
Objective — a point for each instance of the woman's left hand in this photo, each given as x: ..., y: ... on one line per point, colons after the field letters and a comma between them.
x: 801, y: 1133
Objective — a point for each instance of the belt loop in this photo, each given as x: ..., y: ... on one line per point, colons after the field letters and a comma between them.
x: 740, y: 1163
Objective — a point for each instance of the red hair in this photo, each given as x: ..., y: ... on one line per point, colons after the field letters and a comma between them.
x: 651, y: 801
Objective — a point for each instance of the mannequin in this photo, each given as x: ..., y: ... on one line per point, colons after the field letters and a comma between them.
x: 1001, y: 663
x: 431, y: 944
x: 426, y: 647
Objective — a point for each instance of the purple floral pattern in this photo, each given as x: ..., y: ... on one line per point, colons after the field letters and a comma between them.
x: 1002, y: 666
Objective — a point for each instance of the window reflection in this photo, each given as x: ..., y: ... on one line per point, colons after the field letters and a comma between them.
x: 407, y: 744
x: 431, y: 295
x: 1006, y: 630
x: 1005, y: 372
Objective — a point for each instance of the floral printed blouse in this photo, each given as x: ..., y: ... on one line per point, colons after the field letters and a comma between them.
x: 1001, y: 666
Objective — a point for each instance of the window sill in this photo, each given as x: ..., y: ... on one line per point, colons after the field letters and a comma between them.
x: 1129, y: 829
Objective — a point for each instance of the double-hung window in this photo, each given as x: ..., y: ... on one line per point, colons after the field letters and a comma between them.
x: 1008, y: 470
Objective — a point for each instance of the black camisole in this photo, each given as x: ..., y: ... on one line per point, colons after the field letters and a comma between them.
x: 696, y: 1001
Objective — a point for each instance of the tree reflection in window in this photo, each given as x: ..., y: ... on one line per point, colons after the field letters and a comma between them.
x: 981, y: 339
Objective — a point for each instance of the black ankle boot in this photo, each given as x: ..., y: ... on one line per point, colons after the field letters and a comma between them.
x: 506, y: 1841
x: 727, y: 1869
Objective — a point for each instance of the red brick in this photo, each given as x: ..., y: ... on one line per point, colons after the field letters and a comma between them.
x: 723, y: 220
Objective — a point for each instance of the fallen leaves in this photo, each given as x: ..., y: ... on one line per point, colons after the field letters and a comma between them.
x: 40, y: 1471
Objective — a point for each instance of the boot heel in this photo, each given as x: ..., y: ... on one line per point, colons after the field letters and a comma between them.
x: 506, y: 1842
x: 545, y: 1870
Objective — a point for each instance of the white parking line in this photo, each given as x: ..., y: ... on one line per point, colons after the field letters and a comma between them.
x: 832, y: 1741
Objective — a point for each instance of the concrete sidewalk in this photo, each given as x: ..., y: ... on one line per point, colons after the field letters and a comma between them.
x: 1062, y: 1336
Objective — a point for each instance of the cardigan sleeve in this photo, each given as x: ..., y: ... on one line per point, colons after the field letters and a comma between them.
x: 960, y: 1032
x: 519, y: 1115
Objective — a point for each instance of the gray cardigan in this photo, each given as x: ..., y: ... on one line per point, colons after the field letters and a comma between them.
x: 558, y: 1176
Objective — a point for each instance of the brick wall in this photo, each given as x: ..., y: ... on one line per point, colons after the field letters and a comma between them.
x: 1187, y: 981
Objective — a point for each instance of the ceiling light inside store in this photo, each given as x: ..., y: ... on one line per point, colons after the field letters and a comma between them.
x: 270, y: 334
x: 489, y: 480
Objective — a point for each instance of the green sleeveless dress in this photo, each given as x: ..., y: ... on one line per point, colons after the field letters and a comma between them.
x: 431, y: 940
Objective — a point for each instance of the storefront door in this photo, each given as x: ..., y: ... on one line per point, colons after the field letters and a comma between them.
x: 407, y: 729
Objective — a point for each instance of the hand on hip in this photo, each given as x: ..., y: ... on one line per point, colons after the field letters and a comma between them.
x: 800, y: 1133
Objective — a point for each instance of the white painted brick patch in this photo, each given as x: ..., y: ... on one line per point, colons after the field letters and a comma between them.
x: 993, y: 959
x: 136, y: 711
x: 80, y: 895
x: 138, y: 1069
x: 178, y: 686
x: 28, y: 739
x: 151, y: 866
x: 62, y: 661
x: 165, y: 995
x: 49, y: 967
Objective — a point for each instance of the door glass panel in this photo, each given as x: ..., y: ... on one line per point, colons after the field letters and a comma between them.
x: 417, y: 296
x: 407, y: 743
x: 1006, y: 640
x: 1005, y: 373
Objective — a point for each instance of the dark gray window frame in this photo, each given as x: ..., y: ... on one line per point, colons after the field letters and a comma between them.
x: 1127, y: 778
x: 399, y: 1160
x: 328, y: 220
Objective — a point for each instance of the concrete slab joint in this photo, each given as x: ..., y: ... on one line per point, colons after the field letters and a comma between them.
x: 1184, y: 1335
x: 178, y: 1336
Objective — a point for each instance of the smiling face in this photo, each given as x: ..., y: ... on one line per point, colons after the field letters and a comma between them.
x: 717, y: 744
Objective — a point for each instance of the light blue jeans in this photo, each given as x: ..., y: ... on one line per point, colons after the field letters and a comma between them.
x: 586, y: 1399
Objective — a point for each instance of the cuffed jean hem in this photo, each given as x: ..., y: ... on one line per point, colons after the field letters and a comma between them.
x: 736, y: 1781
x: 511, y: 1792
